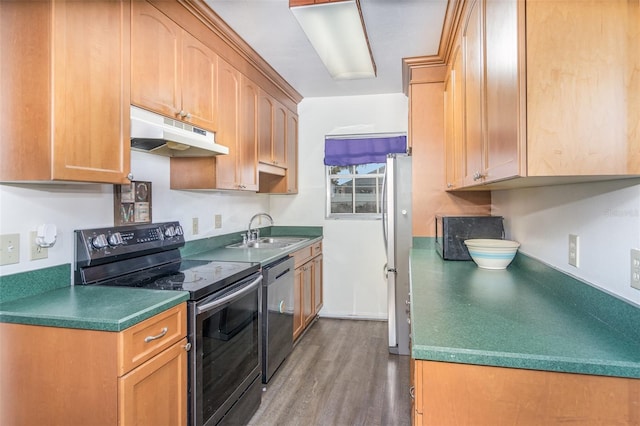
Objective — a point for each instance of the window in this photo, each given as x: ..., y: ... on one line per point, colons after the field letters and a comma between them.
x: 355, y: 166
x: 355, y: 191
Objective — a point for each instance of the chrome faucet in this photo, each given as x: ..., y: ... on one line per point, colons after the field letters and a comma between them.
x: 254, y: 234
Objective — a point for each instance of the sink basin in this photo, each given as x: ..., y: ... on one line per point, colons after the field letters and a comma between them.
x: 270, y: 243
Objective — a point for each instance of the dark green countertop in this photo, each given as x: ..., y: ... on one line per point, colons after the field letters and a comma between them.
x: 261, y: 255
x: 215, y: 248
x: 528, y: 316
x: 45, y: 297
x: 90, y: 307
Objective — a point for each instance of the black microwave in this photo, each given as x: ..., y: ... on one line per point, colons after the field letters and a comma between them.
x: 451, y: 231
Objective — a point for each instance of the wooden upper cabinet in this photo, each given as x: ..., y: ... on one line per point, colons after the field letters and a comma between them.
x: 583, y: 103
x: 454, y: 122
x: 279, y: 135
x: 65, y: 91
x: 265, y: 127
x: 156, y: 60
x: 502, y: 147
x: 247, y: 143
x: 285, y: 181
x: 490, y: 43
x: 547, y: 98
x: 199, y: 76
x: 172, y: 73
x: 228, y: 125
x: 292, y: 153
x: 272, y: 122
x: 472, y: 51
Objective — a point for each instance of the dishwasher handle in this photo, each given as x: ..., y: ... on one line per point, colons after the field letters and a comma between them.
x: 247, y: 288
x: 286, y: 271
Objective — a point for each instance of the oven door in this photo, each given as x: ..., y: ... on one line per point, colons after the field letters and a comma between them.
x: 225, y: 359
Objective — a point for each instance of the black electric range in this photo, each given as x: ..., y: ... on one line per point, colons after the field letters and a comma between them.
x: 148, y: 256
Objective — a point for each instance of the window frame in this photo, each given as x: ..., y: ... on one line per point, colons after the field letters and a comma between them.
x: 380, y: 178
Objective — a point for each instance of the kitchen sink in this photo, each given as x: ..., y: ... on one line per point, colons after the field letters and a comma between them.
x: 270, y: 243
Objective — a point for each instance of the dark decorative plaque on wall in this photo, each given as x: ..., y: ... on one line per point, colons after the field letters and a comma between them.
x: 132, y: 203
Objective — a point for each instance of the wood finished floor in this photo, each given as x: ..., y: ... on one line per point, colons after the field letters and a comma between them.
x: 339, y: 374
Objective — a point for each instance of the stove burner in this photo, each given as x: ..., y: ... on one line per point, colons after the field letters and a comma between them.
x: 176, y: 281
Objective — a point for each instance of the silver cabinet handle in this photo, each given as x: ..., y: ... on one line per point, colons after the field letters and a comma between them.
x: 187, y: 347
x: 412, y: 392
x: 478, y: 176
x: 157, y: 336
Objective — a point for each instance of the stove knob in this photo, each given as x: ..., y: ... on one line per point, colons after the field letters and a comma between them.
x: 115, y: 239
x: 99, y: 242
x: 160, y: 234
x: 170, y: 231
x: 179, y: 230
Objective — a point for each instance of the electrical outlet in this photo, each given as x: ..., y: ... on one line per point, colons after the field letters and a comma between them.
x: 574, y: 250
x: 635, y: 268
x: 9, y: 249
x: 218, y: 221
x: 37, y: 252
x: 194, y: 226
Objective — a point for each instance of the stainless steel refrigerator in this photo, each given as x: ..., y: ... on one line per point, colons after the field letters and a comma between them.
x: 397, y: 231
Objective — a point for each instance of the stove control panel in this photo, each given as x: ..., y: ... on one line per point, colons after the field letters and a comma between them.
x: 107, y: 244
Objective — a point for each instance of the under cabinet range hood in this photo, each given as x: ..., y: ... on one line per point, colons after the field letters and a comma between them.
x: 156, y: 134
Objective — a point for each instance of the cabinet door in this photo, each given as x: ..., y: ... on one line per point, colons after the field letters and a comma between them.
x: 265, y: 126
x: 279, y: 135
x: 501, y: 77
x: 156, y: 60
x: 156, y: 392
x: 247, y: 144
x: 473, y: 74
x: 272, y: 133
x: 583, y: 103
x: 317, y: 284
x: 199, y: 65
x: 65, y: 91
x: 91, y: 91
x: 298, y: 323
x: 292, y: 153
x: 308, y: 311
x: 228, y: 126
x: 454, y: 116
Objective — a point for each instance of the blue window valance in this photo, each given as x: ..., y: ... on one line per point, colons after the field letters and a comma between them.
x: 343, y: 151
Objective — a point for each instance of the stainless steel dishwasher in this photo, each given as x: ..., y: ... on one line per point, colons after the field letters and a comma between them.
x: 277, y: 314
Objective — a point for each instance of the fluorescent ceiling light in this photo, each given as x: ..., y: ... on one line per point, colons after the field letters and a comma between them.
x: 337, y: 32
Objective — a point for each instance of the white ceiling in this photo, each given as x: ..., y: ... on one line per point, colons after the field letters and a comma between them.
x: 396, y: 29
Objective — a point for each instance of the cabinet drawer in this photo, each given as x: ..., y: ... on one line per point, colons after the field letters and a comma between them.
x: 301, y: 256
x: 316, y: 249
x: 139, y: 343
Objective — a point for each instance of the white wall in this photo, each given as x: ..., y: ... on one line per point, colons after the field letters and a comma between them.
x: 81, y: 206
x: 354, y: 284
x: 605, y: 216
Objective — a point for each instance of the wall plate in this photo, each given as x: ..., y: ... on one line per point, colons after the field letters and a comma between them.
x: 35, y: 251
x: 574, y: 250
x: 9, y: 249
x: 635, y: 268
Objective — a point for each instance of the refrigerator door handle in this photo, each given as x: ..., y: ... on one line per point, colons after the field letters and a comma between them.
x: 384, y: 210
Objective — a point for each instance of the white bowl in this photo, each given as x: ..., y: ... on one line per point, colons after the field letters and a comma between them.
x: 492, y: 253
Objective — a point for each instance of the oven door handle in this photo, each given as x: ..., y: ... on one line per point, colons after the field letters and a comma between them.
x: 218, y: 302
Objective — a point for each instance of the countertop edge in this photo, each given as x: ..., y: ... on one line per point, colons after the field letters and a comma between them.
x: 98, y: 324
x: 526, y: 361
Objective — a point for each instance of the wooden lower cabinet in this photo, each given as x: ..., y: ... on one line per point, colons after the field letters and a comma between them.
x: 307, y: 287
x: 64, y: 376
x: 459, y: 394
x: 155, y: 392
